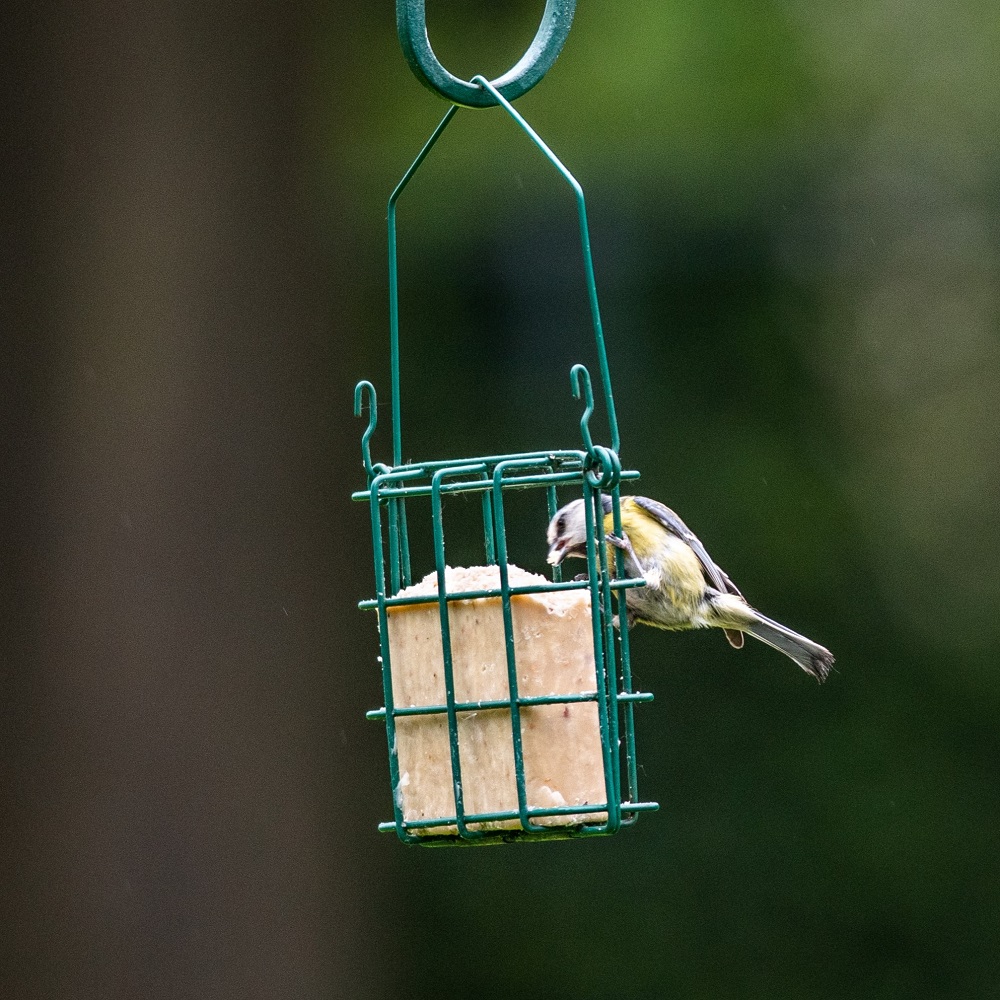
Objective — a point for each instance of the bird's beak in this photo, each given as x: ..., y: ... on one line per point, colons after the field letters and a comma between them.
x: 557, y: 552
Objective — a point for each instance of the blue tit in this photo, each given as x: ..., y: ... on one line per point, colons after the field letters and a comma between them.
x: 684, y: 587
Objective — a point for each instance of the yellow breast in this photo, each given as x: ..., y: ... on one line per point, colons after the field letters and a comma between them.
x: 660, y: 551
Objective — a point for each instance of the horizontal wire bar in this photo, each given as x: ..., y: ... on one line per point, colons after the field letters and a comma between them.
x: 475, y: 595
x: 559, y: 455
x: 476, y: 485
x: 478, y: 706
x: 378, y: 714
x: 494, y: 817
x: 480, y: 485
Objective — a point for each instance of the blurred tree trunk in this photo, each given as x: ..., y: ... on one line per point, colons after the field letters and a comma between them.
x: 171, y: 626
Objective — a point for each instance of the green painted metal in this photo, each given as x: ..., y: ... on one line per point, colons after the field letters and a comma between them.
x: 411, y: 24
x: 613, y: 694
x: 589, y: 472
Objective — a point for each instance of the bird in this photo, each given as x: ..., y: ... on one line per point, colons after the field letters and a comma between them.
x: 685, y: 588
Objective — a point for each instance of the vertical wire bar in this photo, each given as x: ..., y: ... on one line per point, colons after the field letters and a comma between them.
x: 626, y: 666
x: 397, y: 438
x: 600, y: 666
x: 383, y: 630
x: 588, y: 262
x: 446, y: 652
x: 404, y: 546
x: 449, y: 675
x: 508, y: 634
x: 610, y: 677
x: 489, y: 543
x: 394, y: 574
x: 553, y: 506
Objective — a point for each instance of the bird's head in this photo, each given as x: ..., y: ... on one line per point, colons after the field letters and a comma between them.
x: 567, y: 534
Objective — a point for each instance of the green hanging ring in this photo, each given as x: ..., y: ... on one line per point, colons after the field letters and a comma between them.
x: 411, y: 23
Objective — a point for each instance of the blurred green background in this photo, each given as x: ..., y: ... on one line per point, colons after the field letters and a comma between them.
x: 795, y: 224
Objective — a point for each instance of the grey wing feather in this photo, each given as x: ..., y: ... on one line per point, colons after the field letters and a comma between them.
x: 716, y: 576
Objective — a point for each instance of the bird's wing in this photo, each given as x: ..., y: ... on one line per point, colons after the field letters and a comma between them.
x: 716, y: 576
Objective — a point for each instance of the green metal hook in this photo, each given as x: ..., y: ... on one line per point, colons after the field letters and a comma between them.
x: 606, y: 470
x: 579, y: 379
x: 411, y: 23
x: 361, y: 389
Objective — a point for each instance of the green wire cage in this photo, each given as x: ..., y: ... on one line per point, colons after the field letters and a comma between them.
x: 517, y: 714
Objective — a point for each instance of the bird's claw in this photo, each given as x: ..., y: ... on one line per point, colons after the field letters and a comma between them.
x: 629, y: 620
x: 624, y: 543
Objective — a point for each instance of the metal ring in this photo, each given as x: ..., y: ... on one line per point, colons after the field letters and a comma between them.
x: 411, y: 24
x: 605, y: 472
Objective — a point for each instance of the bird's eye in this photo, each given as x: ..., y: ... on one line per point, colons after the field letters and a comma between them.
x: 561, y: 525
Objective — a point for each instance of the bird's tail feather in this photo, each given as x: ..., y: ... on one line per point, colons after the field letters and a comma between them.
x: 813, y: 658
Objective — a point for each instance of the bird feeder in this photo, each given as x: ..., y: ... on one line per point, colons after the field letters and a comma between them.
x: 508, y: 696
